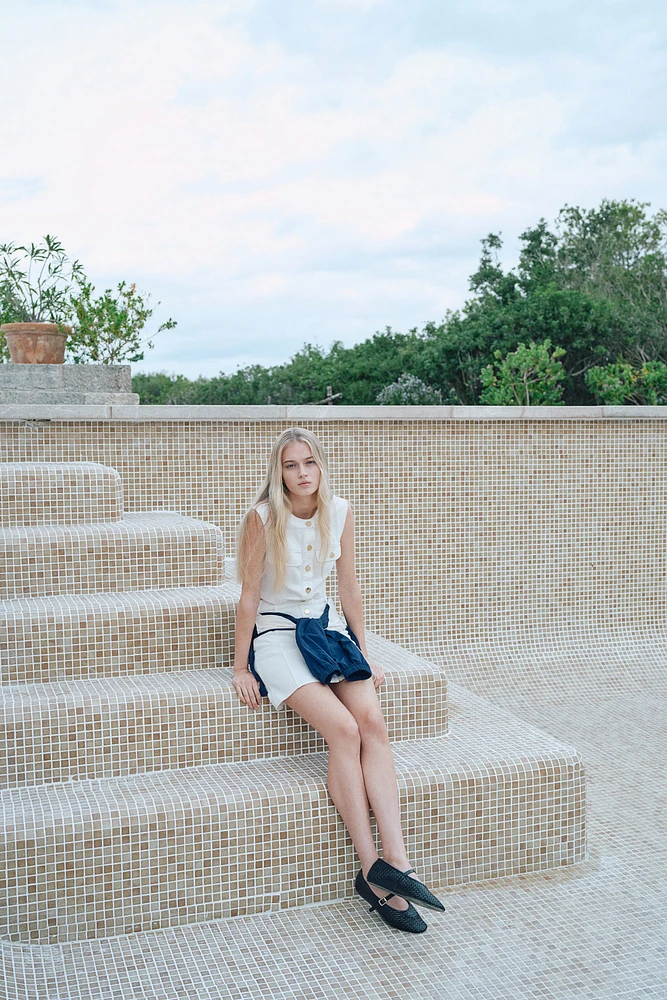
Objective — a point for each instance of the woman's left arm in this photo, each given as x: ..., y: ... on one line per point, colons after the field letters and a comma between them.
x: 350, y: 593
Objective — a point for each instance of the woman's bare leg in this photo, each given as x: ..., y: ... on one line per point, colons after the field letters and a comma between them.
x: 377, y: 763
x: 327, y: 714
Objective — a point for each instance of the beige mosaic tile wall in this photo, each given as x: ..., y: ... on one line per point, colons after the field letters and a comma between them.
x: 468, y: 527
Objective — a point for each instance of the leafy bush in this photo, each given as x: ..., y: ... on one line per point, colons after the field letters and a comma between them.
x: 621, y: 383
x: 528, y: 376
x: 108, y: 329
x: 408, y: 390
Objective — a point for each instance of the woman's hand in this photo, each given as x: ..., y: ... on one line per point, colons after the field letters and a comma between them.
x: 247, y: 688
x: 378, y: 673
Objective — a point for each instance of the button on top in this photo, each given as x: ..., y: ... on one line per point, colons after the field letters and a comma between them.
x: 308, y: 524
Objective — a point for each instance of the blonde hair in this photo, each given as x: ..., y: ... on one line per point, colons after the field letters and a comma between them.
x: 274, y: 493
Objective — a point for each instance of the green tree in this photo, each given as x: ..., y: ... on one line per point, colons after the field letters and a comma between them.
x: 616, y: 254
x: 528, y: 376
x: 359, y: 373
x: 160, y: 389
x: 595, y: 284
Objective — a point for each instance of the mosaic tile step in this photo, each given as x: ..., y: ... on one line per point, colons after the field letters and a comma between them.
x: 107, y: 727
x: 33, y: 493
x: 120, y: 855
x: 141, y: 552
x: 138, y: 632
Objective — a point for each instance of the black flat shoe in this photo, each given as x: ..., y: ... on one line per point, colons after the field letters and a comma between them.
x: 385, y: 876
x: 402, y: 920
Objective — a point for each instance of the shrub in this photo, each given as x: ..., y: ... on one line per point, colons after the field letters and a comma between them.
x: 621, y: 383
x: 528, y: 376
x: 108, y: 328
x: 408, y: 390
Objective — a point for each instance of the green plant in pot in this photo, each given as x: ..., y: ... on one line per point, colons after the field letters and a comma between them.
x: 36, y: 283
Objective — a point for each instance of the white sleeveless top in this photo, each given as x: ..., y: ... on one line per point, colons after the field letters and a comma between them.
x: 303, y: 593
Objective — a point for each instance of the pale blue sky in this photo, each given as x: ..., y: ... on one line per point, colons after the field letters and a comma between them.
x: 288, y: 170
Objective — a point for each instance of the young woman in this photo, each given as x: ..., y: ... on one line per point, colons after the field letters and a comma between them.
x: 293, y: 645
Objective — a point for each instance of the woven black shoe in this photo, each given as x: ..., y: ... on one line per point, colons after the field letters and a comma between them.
x: 402, y: 920
x: 385, y: 876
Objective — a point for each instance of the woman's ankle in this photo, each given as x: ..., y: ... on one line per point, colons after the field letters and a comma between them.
x: 367, y: 863
x: 399, y: 861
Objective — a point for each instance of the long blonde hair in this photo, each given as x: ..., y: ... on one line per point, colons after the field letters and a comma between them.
x: 274, y: 492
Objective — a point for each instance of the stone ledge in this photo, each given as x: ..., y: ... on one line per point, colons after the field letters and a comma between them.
x: 295, y: 414
x: 66, y: 378
x: 47, y: 397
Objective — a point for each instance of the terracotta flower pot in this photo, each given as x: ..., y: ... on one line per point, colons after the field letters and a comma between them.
x: 36, y: 343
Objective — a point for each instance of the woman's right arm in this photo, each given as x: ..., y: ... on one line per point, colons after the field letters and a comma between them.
x: 246, y: 685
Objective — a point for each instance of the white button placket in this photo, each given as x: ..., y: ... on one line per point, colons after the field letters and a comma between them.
x: 307, y: 573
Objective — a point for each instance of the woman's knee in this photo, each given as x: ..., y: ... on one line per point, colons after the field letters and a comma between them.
x: 371, y: 724
x: 344, y: 732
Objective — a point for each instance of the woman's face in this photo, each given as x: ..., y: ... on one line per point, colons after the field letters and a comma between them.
x: 301, y: 473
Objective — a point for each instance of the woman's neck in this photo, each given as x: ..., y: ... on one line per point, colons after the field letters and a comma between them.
x: 304, y: 507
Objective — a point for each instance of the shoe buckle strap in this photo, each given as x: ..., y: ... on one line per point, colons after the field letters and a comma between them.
x: 383, y: 901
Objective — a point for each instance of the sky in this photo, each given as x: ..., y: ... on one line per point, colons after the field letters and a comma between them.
x: 275, y: 172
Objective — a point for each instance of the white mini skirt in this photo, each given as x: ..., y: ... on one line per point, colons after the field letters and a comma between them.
x: 280, y: 664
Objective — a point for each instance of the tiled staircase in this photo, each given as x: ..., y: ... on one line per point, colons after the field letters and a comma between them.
x: 139, y: 794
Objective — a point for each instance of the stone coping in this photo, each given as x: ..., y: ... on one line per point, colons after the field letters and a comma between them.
x: 37, y: 412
